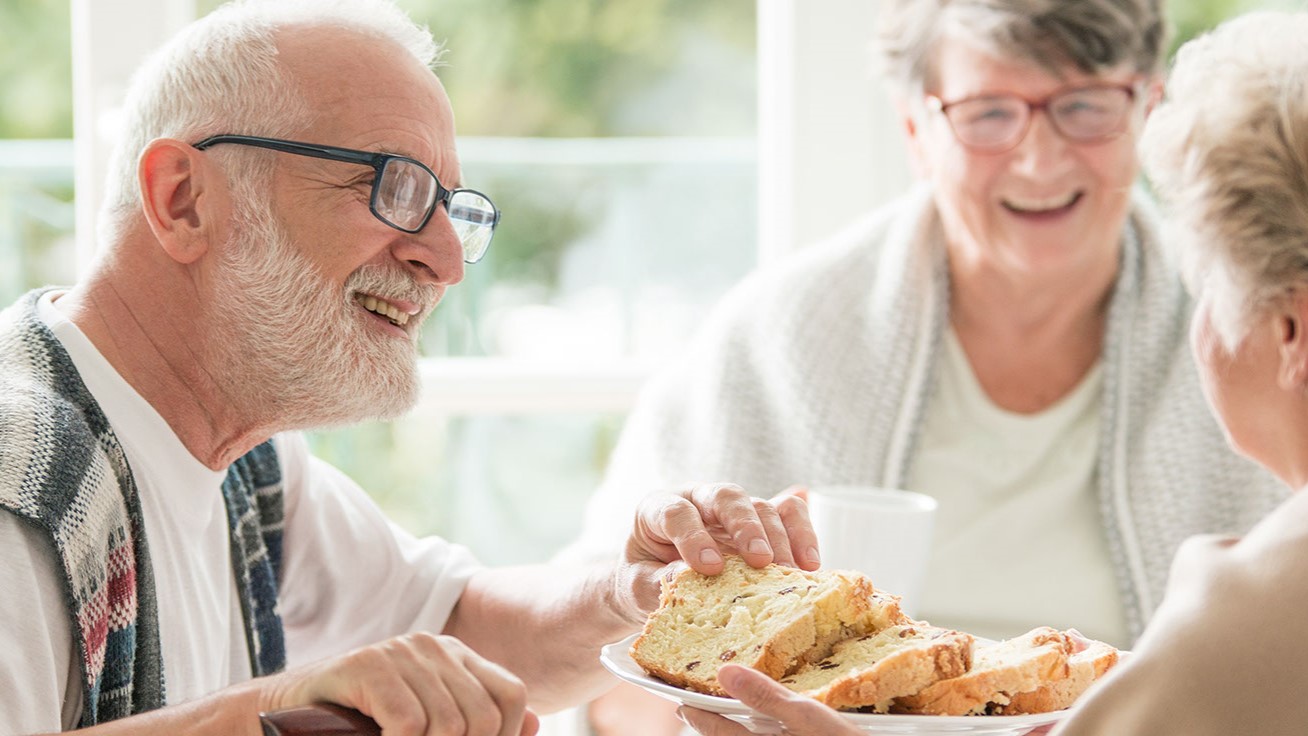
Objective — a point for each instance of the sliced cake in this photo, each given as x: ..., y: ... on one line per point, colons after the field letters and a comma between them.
x: 871, y: 671
x: 999, y: 672
x: 773, y: 619
x: 1084, y: 668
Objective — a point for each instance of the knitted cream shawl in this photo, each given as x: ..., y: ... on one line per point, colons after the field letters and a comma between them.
x: 818, y: 370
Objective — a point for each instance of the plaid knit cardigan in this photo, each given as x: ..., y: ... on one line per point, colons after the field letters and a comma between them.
x: 63, y: 471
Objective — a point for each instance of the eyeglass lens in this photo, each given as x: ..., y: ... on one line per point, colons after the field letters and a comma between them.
x: 473, y: 217
x: 407, y: 193
x: 1089, y: 114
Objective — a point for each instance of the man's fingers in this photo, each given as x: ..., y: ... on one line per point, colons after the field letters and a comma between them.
x: 699, y: 525
x: 729, y: 507
x: 793, y: 512
x: 395, y: 709
x: 775, y: 528
x: 425, y: 685
x: 680, y: 523
x: 506, y: 691
x: 439, y: 670
x: 797, y: 491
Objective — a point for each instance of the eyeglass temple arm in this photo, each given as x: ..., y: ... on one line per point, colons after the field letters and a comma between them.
x: 331, y: 153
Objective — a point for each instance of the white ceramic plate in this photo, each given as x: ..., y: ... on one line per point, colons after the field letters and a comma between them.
x: 616, y: 659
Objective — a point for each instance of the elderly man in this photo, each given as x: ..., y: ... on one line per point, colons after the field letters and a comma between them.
x: 285, y: 210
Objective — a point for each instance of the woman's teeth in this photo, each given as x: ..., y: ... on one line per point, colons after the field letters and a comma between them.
x: 1041, y: 205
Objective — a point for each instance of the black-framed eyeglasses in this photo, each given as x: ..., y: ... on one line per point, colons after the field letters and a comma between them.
x: 995, y: 123
x: 405, y: 192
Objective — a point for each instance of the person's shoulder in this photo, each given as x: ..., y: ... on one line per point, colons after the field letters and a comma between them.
x: 861, y: 242
x: 42, y: 407
x: 1281, y: 535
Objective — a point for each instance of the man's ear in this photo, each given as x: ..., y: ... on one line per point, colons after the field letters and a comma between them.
x: 183, y: 196
x: 1292, y: 374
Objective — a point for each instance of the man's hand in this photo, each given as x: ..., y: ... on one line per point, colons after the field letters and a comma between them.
x: 414, y: 685
x: 800, y: 716
x: 700, y: 524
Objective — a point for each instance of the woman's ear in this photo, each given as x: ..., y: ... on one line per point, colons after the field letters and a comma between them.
x: 1292, y: 373
x: 911, y: 124
x: 183, y: 196
x: 1153, y: 92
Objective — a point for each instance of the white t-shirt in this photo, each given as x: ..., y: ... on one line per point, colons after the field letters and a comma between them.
x: 1018, y: 538
x: 349, y: 576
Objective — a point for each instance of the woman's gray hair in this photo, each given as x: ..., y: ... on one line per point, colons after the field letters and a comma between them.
x: 1090, y: 35
x: 1227, y: 152
x: 220, y: 74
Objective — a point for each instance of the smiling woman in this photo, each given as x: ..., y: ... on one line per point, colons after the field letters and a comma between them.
x: 619, y: 140
x: 596, y: 276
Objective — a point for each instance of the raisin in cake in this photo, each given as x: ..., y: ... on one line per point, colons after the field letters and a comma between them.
x: 1084, y: 668
x: 870, y: 671
x: 999, y: 672
x: 773, y: 619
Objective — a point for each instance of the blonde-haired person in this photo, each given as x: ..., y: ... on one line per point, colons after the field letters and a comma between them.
x: 1225, y: 652
x: 1008, y: 337
x: 287, y: 207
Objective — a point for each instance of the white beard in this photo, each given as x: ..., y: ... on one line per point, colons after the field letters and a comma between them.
x: 296, y: 352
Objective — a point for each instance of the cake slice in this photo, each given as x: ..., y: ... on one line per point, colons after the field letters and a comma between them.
x: 871, y: 671
x: 1084, y: 668
x: 773, y: 619
x: 999, y: 671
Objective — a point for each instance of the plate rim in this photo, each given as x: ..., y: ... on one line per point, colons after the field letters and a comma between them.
x: 616, y: 659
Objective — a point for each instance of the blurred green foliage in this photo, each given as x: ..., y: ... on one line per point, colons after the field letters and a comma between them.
x: 515, y: 67
x: 36, y: 77
x: 570, y: 67
x: 1192, y: 17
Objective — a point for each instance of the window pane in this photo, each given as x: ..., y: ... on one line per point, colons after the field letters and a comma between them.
x: 36, y: 157
x: 36, y: 215
x: 607, y: 249
x: 36, y: 77
x: 509, y: 487
x: 617, y: 138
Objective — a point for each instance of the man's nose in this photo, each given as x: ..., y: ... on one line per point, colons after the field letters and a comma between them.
x: 434, y: 254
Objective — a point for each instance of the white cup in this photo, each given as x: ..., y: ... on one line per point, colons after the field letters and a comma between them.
x: 883, y: 533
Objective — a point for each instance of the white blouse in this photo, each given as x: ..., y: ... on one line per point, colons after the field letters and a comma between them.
x: 1018, y: 540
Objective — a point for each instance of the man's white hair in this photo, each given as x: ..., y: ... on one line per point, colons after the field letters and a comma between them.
x: 1228, y: 153
x: 220, y: 74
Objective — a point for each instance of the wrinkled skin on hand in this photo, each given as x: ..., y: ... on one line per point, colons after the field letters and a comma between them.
x: 800, y: 716
x: 696, y: 526
x: 419, y: 684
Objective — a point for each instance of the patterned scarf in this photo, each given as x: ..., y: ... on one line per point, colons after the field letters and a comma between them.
x: 63, y: 471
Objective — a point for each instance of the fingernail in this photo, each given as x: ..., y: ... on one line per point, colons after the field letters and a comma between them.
x: 760, y: 547
x: 811, y: 554
x: 710, y: 556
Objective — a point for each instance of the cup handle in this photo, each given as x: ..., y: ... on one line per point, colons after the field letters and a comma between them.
x: 321, y: 719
